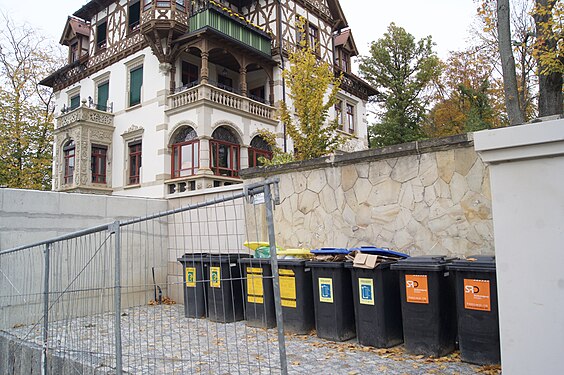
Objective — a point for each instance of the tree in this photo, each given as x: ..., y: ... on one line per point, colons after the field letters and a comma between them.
x: 522, y: 41
x: 310, y: 81
x: 467, y: 97
x: 514, y: 111
x: 549, y: 50
x: 402, y: 69
x: 26, y: 108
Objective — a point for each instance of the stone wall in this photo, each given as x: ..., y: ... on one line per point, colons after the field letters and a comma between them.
x: 427, y: 197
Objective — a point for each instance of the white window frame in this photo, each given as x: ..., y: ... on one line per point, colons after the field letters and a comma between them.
x: 129, y: 66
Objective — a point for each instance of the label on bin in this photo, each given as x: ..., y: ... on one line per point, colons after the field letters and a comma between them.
x: 366, y: 291
x: 255, y: 292
x: 416, y: 289
x: 326, y: 290
x: 191, y: 277
x: 215, y: 277
x: 287, y: 288
x: 477, y: 295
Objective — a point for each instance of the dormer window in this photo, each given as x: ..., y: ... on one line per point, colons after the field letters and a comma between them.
x: 101, y: 36
x: 344, y: 61
x: 134, y: 15
x: 74, y: 52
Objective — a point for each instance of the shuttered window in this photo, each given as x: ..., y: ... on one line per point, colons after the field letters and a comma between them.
x: 135, y: 84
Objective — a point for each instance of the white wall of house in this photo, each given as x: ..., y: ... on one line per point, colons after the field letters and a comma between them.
x: 527, y: 181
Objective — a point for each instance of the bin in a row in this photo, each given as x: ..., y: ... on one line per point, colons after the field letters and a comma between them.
x: 412, y: 300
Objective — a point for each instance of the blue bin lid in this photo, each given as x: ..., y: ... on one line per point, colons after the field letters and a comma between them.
x: 330, y: 251
x: 379, y: 251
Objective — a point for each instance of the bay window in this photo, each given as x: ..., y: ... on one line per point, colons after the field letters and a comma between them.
x: 185, y: 153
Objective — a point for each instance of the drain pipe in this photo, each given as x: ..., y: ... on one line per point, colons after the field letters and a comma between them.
x: 281, y: 52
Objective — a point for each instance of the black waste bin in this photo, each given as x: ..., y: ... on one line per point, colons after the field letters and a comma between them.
x: 194, y: 275
x: 334, y: 310
x: 428, y: 305
x: 259, y: 296
x: 476, y: 305
x: 225, y: 288
x: 377, y: 303
x: 296, y: 292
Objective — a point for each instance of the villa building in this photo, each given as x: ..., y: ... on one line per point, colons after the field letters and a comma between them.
x: 164, y: 97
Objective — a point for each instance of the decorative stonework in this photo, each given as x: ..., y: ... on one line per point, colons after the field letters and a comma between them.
x: 435, y: 201
x: 86, y: 127
x: 85, y: 114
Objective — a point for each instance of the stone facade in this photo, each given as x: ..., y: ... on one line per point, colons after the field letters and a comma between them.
x: 429, y: 197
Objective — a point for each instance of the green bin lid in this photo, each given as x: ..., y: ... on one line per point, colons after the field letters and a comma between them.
x: 423, y: 263
x: 477, y: 263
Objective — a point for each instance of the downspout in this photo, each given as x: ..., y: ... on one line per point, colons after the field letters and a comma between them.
x: 281, y: 52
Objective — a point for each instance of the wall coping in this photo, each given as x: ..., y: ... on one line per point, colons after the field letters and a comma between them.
x: 528, y: 141
x: 375, y: 154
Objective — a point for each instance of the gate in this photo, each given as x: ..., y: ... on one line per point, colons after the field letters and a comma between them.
x: 98, y: 300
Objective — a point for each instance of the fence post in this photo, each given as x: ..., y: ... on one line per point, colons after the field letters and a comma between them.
x: 115, y: 229
x: 47, y: 254
x: 275, y: 281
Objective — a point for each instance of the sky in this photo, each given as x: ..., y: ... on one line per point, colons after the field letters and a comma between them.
x: 447, y: 21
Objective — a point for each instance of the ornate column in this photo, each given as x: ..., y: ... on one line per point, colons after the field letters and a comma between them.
x: 243, y: 81
x: 204, y: 72
x: 271, y: 94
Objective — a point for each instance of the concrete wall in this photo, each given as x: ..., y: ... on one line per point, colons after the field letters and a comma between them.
x: 85, y: 263
x: 430, y: 197
x: 28, y: 216
x: 218, y: 229
x: 527, y: 169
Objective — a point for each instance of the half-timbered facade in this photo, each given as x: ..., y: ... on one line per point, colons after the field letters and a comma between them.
x: 169, y: 96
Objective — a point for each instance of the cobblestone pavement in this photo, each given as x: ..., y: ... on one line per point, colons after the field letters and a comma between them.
x: 160, y: 340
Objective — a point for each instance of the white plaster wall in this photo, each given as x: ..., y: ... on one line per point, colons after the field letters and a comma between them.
x: 527, y: 178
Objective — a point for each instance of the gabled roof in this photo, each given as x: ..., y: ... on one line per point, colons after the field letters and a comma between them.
x: 92, y: 8
x: 73, y: 29
x: 345, y: 39
x: 338, y: 14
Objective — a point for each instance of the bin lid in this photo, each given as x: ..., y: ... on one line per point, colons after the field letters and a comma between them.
x: 423, y: 263
x: 192, y: 257
x: 330, y: 251
x: 292, y: 262
x: 226, y: 258
x: 379, y: 251
x: 315, y: 264
x: 380, y: 266
x: 474, y: 263
x: 257, y: 261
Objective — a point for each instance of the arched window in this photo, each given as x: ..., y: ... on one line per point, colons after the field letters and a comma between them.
x: 185, y: 152
x: 224, y: 153
x: 259, y: 147
x: 69, y: 161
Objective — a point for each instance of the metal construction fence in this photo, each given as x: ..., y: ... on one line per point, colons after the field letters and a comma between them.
x: 97, y: 300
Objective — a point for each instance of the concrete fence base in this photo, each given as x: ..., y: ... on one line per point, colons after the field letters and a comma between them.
x: 19, y: 357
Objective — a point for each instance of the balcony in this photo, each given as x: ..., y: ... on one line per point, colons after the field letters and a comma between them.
x: 207, y: 93
x: 212, y: 15
x: 89, y: 114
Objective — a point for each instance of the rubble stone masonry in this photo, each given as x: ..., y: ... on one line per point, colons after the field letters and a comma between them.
x: 423, y: 198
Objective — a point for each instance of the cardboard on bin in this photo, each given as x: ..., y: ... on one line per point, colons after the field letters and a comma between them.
x: 380, y: 251
x: 366, y: 261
